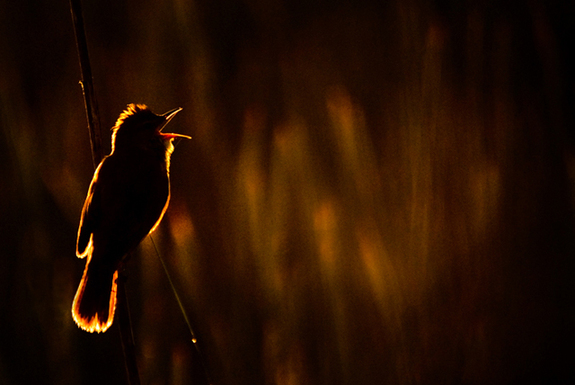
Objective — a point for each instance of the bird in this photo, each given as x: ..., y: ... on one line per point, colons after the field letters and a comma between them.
x: 126, y: 200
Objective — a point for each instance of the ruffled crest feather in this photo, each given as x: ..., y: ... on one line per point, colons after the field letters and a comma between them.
x: 130, y: 111
x: 141, y: 111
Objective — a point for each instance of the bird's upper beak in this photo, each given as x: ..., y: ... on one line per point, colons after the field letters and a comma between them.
x: 168, y: 116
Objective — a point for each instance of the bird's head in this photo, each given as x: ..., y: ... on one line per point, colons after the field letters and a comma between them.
x: 139, y: 127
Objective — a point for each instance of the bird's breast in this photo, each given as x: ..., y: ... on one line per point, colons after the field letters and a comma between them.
x: 139, y: 174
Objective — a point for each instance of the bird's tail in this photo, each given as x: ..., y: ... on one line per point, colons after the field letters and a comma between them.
x: 95, y: 301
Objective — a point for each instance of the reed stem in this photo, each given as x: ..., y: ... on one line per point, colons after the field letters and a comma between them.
x: 92, y: 115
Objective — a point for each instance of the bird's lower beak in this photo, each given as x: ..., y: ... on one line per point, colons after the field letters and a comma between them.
x: 173, y: 136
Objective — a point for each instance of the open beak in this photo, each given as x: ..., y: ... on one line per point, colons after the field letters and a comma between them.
x: 169, y: 116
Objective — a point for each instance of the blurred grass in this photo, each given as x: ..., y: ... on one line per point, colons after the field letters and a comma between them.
x: 374, y: 193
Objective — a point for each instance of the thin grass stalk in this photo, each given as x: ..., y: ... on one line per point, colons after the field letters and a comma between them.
x: 184, y: 314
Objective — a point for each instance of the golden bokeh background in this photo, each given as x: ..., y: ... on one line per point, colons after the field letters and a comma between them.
x: 374, y: 193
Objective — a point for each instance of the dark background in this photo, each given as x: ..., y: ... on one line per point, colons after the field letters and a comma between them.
x: 375, y: 192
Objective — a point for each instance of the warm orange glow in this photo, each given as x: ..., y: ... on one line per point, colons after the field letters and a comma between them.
x: 93, y: 324
x: 163, y: 212
x: 325, y: 226
x: 181, y: 225
x: 80, y: 243
x: 88, y: 249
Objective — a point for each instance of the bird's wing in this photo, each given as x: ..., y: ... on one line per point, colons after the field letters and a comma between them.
x: 90, y: 212
x: 126, y: 199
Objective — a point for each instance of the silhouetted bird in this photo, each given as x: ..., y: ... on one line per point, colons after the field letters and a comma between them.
x: 126, y: 201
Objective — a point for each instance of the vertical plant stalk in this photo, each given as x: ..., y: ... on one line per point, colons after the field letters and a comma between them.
x: 92, y: 115
x: 126, y: 333
x: 87, y: 85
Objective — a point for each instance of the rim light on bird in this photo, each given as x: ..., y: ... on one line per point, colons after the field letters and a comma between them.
x: 127, y: 198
